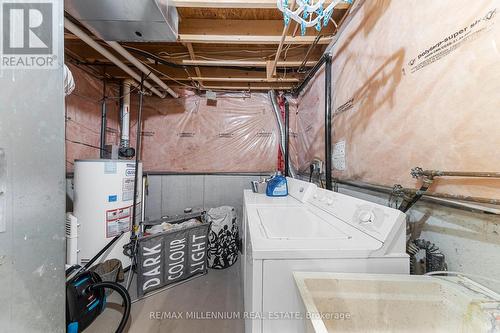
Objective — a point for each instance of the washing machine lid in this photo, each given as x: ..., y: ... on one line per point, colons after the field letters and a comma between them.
x: 287, y: 223
x: 304, y: 232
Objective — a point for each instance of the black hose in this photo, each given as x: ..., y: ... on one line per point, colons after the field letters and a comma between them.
x: 126, y: 300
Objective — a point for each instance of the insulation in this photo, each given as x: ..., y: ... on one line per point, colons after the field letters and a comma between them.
x: 185, y: 135
x: 414, y: 84
x: 83, y: 117
x: 310, y: 120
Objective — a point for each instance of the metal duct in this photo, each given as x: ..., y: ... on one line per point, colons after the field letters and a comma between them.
x: 69, y: 82
x: 127, y: 20
x: 279, y: 121
x: 96, y: 46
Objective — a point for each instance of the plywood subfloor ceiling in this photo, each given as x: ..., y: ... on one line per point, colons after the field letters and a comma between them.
x: 224, y: 45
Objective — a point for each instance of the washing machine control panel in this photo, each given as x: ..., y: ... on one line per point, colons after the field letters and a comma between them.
x: 376, y: 220
x: 300, y: 189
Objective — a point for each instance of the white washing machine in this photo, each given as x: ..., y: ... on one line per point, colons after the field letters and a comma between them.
x: 312, y: 229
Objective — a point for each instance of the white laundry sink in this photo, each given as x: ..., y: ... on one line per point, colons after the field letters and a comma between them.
x: 336, y: 302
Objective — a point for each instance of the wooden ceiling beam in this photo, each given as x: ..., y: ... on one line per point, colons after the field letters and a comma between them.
x: 239, y: 27
x: 237, y: 4
x: 248, y: 39
x: 249, y: 87
x: 193, y: 57
x: 245, y: 79
x: 245, y: 63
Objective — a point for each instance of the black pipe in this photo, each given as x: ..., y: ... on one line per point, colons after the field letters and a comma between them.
x: 308, y: 53
x: 328, y: 122
x: 137, y: 156
x: 102, y: 141
x: 310, y: 75
x: 287, y: 136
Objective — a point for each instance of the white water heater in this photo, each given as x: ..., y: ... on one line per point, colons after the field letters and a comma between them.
x: 103, y: 206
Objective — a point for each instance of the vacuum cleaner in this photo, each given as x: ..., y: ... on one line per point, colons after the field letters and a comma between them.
x: 86, y: 298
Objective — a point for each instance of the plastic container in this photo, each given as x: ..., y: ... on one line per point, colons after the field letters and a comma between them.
x: 277, y: 186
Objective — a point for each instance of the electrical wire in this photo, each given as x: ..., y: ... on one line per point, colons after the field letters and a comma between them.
x: 82, y: 125
x: 84, y: 144
x: 169, y: 77
x: 175, y: 65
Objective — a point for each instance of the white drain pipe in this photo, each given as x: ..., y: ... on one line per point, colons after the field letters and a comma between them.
x: 96, y: 46
x: 125, y: 116
x: 124, y: 53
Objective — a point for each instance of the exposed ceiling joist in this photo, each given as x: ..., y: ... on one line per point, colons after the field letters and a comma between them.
x: 249, y: 87
x: 239, y: 27
x: 193, y: 57
x: 225, y: 44
x: 245, y: 63
x: 245, y: 79
x: 245, y: 39
x: 237, y: 4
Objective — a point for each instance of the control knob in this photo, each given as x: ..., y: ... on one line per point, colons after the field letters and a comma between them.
x: 366, y: 217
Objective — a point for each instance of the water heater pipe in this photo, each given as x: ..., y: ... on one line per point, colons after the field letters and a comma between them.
x: 125, y: 116
x: 108, y: 55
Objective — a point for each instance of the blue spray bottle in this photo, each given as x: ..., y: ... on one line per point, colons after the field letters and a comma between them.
x: 277, y: 186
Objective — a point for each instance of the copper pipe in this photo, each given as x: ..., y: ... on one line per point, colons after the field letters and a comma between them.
x: 463, y: 198
x: 429, y: 196
x: 419, y: 172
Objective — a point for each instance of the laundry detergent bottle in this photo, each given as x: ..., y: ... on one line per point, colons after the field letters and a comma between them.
x: 277, y: 186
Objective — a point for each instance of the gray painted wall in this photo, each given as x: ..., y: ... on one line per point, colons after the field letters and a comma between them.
x: 170, y: 194
x: 32, y: 246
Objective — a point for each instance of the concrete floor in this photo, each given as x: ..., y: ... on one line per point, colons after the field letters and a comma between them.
x: 218, y: 291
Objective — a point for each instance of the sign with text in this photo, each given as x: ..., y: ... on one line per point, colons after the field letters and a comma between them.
x: 29, y: 35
